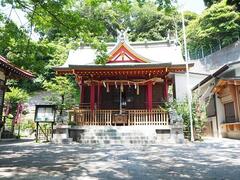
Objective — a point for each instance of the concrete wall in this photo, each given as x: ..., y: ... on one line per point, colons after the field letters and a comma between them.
x: 230, y: 53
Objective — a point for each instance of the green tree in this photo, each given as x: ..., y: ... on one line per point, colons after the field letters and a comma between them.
x: 16, y: 95
x: 209, y: 3
x: 189, y: 16
x: 236, y: 3
x: 88, y: 21
x: 150, y: 23
x: 218, y: 24
x: 37, y: 57
x: 63, y: 92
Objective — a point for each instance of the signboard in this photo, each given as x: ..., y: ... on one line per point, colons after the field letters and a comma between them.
x: 45, y: 113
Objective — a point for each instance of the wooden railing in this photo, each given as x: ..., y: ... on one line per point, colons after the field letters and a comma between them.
x: 128, y: 117
x: 145, y: 117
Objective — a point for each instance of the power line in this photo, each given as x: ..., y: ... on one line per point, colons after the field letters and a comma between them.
x: 10, y: 13
x: 18, y: 16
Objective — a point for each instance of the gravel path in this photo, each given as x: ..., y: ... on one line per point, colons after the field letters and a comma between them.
x: 212, y: 159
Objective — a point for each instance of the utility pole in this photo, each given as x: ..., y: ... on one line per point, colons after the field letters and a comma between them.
x: 189, y: 93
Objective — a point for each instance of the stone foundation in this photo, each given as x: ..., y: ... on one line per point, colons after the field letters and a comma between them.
x: 120, y: 134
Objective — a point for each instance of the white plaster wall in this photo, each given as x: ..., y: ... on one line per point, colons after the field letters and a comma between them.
x: 220, y: 114
x: 181, y: 84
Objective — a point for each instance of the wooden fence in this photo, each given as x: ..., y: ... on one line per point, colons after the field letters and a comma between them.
x: 127, y: 117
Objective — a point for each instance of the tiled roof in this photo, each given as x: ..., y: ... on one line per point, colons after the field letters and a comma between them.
x: 156, y: 52
x: 15, y: 71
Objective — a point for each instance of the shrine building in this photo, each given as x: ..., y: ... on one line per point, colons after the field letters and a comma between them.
x: 131, y: 89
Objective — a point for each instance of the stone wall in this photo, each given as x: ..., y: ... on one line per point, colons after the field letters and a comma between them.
x: 38, y: 98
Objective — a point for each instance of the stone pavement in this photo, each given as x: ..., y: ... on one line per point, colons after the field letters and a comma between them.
x: 212, y: 159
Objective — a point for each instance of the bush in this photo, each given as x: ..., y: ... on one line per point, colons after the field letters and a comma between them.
x: 198, y: 115
x: 27, y: 124
x: 16, y: 95
x: 72, y: 123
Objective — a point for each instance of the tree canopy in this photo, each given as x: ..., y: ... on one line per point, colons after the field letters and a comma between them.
x: 66, y: 24
x: 236, y: 3
x: 219, y: 25
x: 63, y: 92
x: 150, y: 23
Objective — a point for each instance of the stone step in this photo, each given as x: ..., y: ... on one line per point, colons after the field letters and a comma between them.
x: 117, y: 141
x: 119, y: 137
x: 62, y: 140
x: 117, y: 134
x: 122, y: 134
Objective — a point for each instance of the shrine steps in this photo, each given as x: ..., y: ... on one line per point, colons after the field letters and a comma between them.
x: 122, y: 135
x: 62, y: 140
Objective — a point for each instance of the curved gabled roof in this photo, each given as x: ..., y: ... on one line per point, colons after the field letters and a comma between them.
x: 145, y: 52
x: 123, y: 52
x: 15, y: 72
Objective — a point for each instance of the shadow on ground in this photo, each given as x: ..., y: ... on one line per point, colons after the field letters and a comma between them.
x: 206, y: 160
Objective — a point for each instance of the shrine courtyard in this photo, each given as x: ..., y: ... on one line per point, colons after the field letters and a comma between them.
x: 212, y: 159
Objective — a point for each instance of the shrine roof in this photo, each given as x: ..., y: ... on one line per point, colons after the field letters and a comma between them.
x: 150, y: 53
x: 14, y: 71
x: 128, y: 65
x: 227, y: 72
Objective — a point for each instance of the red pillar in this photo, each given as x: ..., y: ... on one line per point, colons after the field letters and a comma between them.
x: 92, y: 97
x: 99, y: 95
x: 165, y: 90
x: 149, y: 95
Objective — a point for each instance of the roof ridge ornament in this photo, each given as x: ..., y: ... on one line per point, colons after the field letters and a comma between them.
x: 122, y: 35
